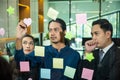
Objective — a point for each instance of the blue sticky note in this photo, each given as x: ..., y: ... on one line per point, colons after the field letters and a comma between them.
x: 45, y: 73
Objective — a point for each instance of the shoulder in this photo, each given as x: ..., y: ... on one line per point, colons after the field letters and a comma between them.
x: 19, y: 51
x: 71, y: 50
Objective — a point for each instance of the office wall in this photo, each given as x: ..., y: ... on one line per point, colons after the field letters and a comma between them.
x: 8, y: 22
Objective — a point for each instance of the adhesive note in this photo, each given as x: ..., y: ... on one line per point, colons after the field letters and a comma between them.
x: 39, y: 51
x: 24, y: 66
x: 81, y: 18
x: 58, y: 63
x: 45, y: 73
x: 69, y: 72
x: 30, y: 79
x: 89, y: 57
x: 87, y: 74
x: 27, y: 21
x: 69, y: 35
x: 10, y: 10
x: 2, y: 31
x: 52, y: 13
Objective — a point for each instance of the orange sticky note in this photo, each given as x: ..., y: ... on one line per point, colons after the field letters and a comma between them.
x: 39, y: 51
x: 24, y: 66
x: 58, y: 63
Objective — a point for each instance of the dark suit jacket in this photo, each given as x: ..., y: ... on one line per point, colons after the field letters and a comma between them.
x: 106, y: 69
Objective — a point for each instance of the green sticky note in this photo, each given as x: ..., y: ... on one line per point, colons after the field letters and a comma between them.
x: 10, y: 10
x: 69, y: 72
x: 69, y: 35
x: 89, y: 56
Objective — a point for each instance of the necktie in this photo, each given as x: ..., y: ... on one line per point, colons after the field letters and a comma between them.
x: 100, y: 55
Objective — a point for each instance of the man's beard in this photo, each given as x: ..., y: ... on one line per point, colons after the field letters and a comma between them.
x: 55, y: 42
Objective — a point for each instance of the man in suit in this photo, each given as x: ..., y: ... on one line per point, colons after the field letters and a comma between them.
x: 104, y: 63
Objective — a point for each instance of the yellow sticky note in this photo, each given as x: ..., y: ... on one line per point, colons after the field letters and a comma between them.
x: 39, y: 51
x: 58, y: 63
x: 52, y: 13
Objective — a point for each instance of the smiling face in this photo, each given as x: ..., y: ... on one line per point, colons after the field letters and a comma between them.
x: 28, y: 45
x: 100, y: 36
x: 55, y: 31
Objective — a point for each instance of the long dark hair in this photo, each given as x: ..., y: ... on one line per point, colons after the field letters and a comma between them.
x: 63, y: 26
x: 5, y: 70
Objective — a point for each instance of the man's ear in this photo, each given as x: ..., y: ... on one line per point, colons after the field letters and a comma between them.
x: 64, y: 32
x: 108, y: 34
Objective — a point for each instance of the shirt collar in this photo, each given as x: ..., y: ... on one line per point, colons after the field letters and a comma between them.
x: 108, y: 47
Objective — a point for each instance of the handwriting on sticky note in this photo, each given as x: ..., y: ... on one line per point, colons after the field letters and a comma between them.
x: 45, y: 73
x: 69, y: 72
x: 81, y: 18
x: 39, y: 51
x: 58, y: 63
x: 52, y: 13
x: 24, y: 66
x: 87, y: 74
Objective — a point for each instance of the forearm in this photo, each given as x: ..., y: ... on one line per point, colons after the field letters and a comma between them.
x: 18, y: 44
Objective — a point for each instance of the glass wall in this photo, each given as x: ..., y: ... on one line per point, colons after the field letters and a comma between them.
x: 109, y: 9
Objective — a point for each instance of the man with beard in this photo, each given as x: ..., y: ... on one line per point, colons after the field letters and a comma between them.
x: 59, y: 57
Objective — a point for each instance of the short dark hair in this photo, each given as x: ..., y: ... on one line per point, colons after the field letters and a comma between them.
x: 62, y: 23
x: 28, y: 35
x: 104, y: 24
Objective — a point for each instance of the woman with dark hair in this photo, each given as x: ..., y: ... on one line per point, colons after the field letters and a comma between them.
x: 24, y: 50
x: 5, y: 70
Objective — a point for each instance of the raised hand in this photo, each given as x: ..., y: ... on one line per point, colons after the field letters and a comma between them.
x: 21, y: 29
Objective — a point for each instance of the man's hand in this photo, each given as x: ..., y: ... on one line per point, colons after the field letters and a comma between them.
x: 21, y: 29
x: 20, y: 32
x: 90, y: 45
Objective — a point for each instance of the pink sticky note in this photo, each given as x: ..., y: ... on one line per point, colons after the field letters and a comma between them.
x: 2, y: 31
x: 81, y: 18
x: 27, y: 21
x: 24, y: 66
x: 87, y: 74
